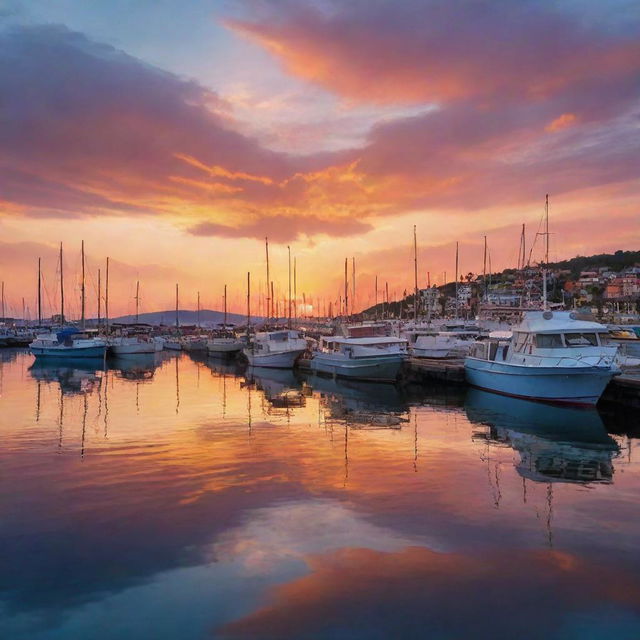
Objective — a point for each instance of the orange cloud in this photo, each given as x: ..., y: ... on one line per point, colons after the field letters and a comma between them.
x: 561, y: 122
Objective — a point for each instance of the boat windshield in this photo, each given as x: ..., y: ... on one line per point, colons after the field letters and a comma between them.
x: 581, y: 339
x: 549, y: 341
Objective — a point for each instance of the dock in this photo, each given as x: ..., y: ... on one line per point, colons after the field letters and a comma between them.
x: 622, y: 390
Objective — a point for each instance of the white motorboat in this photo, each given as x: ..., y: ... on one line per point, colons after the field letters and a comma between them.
x: 172, y: 344
x: 68, y: 343
x: 194, y: 343
x: 373, y: 358
x: 222, y: 344
x: 552, y: 356
x: 275, y: 349
x: 130, y: 345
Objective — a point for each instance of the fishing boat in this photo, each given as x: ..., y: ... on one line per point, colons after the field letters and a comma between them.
x: 373, y: 358
x: 552, y: 356
x: 275, y: 349
x: 70, y: 343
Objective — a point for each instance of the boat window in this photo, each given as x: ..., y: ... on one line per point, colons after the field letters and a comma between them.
x: 549, y: 340
x: 581, y: 339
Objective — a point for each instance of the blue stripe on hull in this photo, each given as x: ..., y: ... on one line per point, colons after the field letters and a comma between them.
x: 555, y: 384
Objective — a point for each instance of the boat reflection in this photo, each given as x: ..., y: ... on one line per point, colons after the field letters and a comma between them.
x: 73, y: 376
x: 136, y: 367
x: 555, y: 444
x: 362, y: 405
x: 281, y: 388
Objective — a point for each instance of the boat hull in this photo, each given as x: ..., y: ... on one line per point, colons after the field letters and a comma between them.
x: 567, y: 385
x: 69, y: 352
x: 275, y: 360
x: 379, y: 368
x: 132, y: 349
x: 224, y: 347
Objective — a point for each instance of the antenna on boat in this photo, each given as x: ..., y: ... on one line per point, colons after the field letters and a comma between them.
x: 39, y: 293
x: 415, y: 275
x: 82, y: 319
x: 106, y: 297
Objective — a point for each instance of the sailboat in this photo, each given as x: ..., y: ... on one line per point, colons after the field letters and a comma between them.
x: 552, y: 356
x: 226, y: 341
x: 69, y: 341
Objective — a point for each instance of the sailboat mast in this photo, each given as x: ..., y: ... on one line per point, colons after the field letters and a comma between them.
x: 346, y: 288
x: 39, y: 292
x: 61, y: 288
x: 456, y: 290
x: 225, y: 306
x: 248, y: 300
x: 106, y: 297
x: 546, y: 252
x: 82, y: 318
x: 177, y: 320
x: 289, y: 315
x: 137, y: 300
x: 99, y: 296
x: 295, y: 290
x: 198, y: 313
x: 353, y: 284
x: 376, y: 297
x: 415, y: 275
x: 2, y: 296
x: 269, y: 297
x: 484, y: 269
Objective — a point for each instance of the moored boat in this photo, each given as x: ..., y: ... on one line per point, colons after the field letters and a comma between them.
x: 372, y: 358
x: 275, y: 349
x: 552, y: 356
x: 68, y: 343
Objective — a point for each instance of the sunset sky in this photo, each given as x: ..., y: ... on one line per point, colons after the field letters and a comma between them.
x: 173, y: 136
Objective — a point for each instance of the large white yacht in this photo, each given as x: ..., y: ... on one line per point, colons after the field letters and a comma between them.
x: 552, y: 356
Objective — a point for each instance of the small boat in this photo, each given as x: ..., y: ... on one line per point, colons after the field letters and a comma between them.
x: 441, y: 344
x: 372, y: 358
x: 275, y: 349
x: 222, y: 344
x: 131, y: 345
x: 194, y: 343
x: 68, y: 343
x: 552, y: 356
x: 172, y: 344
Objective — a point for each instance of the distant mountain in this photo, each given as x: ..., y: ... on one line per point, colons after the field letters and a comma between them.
x: 185, y: 317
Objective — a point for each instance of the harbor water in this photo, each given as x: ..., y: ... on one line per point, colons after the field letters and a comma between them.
x: 168, y: 496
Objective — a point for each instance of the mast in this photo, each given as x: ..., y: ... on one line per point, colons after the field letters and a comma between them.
x: 3, y: 301
x: 386, y: 286
x: 269, y: 298
x: 137, y: 299
x: 376, y: 298
x: 295, y: 290
x: 177, y: 321
x: 272, y: 300
x: 546, y: 252
x: 484, y: 269
x: 456, y: 280
x: 248, y: 300
x: 198, y: 312
x: 99, y: 295
x: 106, y: 297
x: 415, y: 275
x: 225, y: 307
x: 39, y: 293
x: 289, y: 315
x: 346, y: 288
x: 82, y: 318
x: 61, y: 289
x: 353, y: 285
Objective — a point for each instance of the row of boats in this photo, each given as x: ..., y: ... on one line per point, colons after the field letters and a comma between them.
x: 553, y: 356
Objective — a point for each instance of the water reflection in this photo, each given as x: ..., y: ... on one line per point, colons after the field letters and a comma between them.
x: 555, y: 444
x: 181, y: 498
x: 73, y: 376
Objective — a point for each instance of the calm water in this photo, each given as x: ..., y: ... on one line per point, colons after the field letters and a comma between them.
x: 174, y: 498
